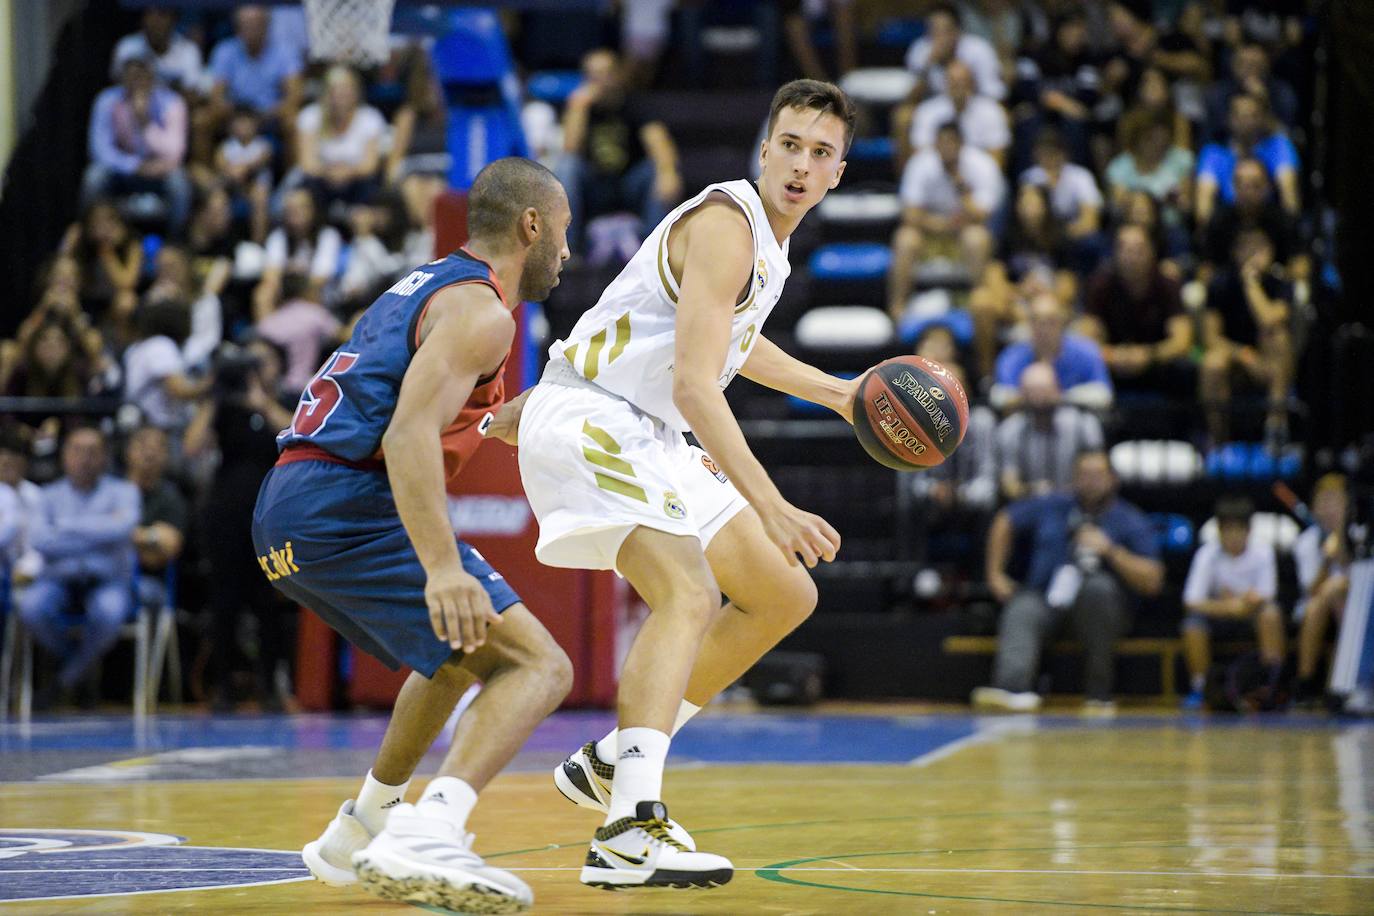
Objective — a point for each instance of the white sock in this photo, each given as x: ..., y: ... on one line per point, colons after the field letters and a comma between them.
x: 375, y: 801
x: 449, y: 798
x: 606, y: 748
x: 638, y: 770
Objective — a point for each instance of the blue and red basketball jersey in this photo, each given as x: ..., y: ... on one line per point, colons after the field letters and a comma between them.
x: 345, y: 410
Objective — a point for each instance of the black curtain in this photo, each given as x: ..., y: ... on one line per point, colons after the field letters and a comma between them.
x: 1350, y: 165
x: 43, y: 182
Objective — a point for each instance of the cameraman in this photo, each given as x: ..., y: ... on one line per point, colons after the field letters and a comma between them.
x: 241, y: 419
x: 1089, y: 552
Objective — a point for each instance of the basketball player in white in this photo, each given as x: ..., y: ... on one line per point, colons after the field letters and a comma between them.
x: 616, y: 486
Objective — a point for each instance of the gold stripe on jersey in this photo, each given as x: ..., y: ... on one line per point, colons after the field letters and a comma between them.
x: 754, y: 231
x: 663, y: 266
x: 609, y: 462
x: 593, y: 362
x: 622, y: 337
x: 600, y: 437
x: 570, y: 354
x: 621, y: 487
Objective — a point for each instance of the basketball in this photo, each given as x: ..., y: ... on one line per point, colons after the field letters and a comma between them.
x: 910, y: 413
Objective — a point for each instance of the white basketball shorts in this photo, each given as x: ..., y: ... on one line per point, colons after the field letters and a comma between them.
x: 594, y: 467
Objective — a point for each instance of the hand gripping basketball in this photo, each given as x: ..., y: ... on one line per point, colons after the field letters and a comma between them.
x: 910, y: 413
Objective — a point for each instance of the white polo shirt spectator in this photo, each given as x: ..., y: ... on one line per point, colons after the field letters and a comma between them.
x: 318, y: 260
x: 977, y: 52
x: 181, y: 66
x: 926, y: 184
x: 1075, y: 190
x: 147, y: 364
x: 349, y: 147
x: 982, y: 123
x: 1307, y: 557
x: 1215, y: 572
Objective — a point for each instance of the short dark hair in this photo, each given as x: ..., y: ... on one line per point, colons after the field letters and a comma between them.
x: 947, y: 9
x: 503, y: 190
x: 1051, y: 139
x: 1234, y: 510
x: 814, y: 95
x: 950, y: 127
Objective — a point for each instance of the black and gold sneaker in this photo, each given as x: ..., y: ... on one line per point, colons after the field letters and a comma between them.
x: 640, y: 851
x: 585, y: 780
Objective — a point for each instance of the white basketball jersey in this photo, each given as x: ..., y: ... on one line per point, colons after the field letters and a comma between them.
x: 624, y: 343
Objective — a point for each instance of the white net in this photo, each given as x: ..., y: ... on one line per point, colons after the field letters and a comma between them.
x: 349, y: 31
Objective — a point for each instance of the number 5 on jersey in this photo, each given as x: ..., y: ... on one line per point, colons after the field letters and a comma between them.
x: 321, y: 396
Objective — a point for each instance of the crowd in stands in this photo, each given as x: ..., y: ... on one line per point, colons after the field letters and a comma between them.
x: 1112, y: 195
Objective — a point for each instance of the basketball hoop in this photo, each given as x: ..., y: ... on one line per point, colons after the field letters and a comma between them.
x: 349, y: 31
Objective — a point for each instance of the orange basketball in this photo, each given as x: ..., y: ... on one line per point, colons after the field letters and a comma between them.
x: 910, y: 413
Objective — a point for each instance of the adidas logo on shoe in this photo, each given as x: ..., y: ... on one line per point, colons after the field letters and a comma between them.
x: 632, y: 752
x: 436, y: 797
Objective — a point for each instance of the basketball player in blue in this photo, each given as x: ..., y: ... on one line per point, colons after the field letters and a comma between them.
x: 353, y: 523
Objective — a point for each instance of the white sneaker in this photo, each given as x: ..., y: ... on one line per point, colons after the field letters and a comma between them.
x: 1010, y: 701
x: 424, y: 860
x: 1099, y: 709
x: 640, y: 851
x: 585, y: 781
x: 330, y: 858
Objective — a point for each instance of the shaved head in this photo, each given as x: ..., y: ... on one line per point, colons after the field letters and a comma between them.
x: 507, y: 188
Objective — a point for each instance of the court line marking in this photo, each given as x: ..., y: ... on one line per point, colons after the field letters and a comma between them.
x: 161, y: 890
x: 774, y: 873
x: 1006, y: 871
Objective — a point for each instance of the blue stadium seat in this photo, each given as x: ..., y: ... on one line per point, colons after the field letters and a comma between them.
x: 959, y: 322
x: 1175, y: 532
x: 900, y: 33
x: 880, y: 148
x: 552, y: 86
x: 849, y: 261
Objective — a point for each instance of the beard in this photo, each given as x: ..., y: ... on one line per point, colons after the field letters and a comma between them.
x: 540, y: 274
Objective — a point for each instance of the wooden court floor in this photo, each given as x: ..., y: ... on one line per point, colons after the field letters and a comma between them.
x: 1020, y: 816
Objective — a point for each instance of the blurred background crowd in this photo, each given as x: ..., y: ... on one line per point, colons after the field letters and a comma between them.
x: 1111, y: 219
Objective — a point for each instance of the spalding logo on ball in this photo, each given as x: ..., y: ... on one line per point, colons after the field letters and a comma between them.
x: 910, y: 413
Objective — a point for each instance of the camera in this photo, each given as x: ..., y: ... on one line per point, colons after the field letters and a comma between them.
x: 232, y: 365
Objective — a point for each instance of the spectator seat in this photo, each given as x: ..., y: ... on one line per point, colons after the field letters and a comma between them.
x: 837, y: 326
x: 552, y: 86
x: 1151, y: 462
x: 881, y: 86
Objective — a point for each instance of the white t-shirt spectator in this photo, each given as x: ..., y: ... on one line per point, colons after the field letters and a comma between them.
x: 207, y: 327
x: 349, y: 147
x: 146, y: 364
x: 977, y: 53
x: 1307, y: 557
x: 1076, y: 189
x: 983, y: 122
x: 1214, y: 572
x: 926, y: 184
x: 25, y: 562
x: 237, y: 153
x: 182, y: 66
x: 318, y: 260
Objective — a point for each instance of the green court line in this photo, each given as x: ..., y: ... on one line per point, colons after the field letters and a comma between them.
x: 549, y: 847
x: 774, y: 873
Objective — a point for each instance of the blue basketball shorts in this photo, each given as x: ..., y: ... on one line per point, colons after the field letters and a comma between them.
x: 328, y: 537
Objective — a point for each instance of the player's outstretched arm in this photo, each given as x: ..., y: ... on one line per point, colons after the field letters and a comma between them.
x: 466, y: 334
x: 719, y: 261
x: 772, y: 368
